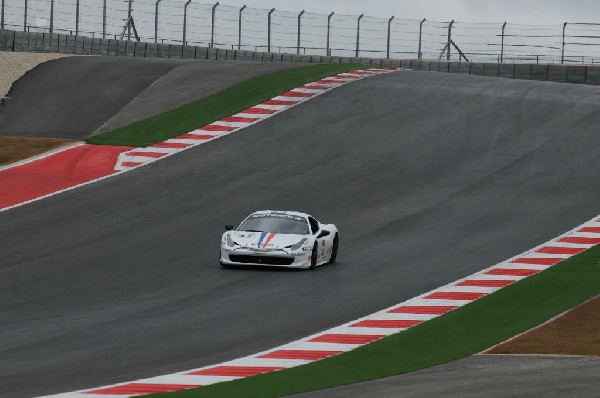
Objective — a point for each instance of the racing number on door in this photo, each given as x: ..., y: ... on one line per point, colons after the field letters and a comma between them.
x: 322, y: 245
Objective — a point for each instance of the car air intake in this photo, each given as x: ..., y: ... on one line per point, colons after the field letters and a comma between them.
x: 265, y: 260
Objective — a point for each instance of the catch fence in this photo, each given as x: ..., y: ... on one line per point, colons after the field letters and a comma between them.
x: 271, y: 30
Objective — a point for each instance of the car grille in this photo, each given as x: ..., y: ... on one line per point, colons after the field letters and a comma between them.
x: 267, y: 260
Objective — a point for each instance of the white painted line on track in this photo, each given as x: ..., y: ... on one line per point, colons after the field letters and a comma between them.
x: 41, y: 156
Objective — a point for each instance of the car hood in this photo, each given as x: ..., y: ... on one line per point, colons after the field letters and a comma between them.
x: 265, y: 240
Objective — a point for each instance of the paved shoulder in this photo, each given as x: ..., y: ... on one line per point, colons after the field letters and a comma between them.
x: 187, y: 83
x: 74, y: 97
x: 485, y: 376
x: 71, y: 97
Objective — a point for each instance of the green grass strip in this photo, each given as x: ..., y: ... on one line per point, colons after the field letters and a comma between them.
x: 217, y: 106
x: 460, y: 333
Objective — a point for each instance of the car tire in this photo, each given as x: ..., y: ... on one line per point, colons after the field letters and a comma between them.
x: 314, y: 255
x: 334, y: 249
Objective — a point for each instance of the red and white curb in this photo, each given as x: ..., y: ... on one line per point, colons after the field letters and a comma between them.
x: 142, y: 156
x: 369, y: 328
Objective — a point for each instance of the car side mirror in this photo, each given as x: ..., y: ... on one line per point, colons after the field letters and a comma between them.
x: 323, y: 233
x: 228, y: 227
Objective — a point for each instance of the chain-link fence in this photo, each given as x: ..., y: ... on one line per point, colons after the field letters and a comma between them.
x: 272, y: 30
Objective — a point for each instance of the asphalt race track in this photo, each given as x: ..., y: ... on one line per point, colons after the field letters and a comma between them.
x: 428, y: 176
x: 77, y: 96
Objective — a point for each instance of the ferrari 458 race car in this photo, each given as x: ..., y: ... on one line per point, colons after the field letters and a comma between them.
x: 280, y: 239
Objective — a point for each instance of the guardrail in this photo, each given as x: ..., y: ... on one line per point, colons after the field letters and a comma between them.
x: 81, y: 45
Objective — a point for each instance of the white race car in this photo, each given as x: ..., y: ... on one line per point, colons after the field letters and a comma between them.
x: 280, y: 239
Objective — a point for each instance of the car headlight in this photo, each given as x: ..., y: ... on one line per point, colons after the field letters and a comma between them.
x: 296, y: 246
x: 230, y: 241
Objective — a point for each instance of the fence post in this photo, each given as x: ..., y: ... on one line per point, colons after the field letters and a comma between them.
x: 156, y: 21
x: 269, y: 30
x: 449, y: 39
x: 129, y: 20
x: 185, y: 19
x: 212, y: 25
x: 388, y: 36
x: 77, y: 18
x: 104, y: 19
x: 25, y: 17
x: 299, y: 20
x: 327, y: 51
x: 502, y: 46
x: 2, y: 17
x: 358, y: 34
x: 240, y: 28
x: 562, y: 57
x: 51, y: 15
x: 420, y: 54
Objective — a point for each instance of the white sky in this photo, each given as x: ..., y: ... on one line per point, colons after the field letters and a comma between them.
x: 516, y: 11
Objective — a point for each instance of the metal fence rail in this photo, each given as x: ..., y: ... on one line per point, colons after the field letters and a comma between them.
x: 302, y: 32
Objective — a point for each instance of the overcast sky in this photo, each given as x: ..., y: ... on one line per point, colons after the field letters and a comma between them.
x: 516, y: 11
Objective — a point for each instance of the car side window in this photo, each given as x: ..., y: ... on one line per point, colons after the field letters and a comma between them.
x: 314, y: 225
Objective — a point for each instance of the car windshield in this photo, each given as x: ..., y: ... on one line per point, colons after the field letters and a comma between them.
x: 278, y: 223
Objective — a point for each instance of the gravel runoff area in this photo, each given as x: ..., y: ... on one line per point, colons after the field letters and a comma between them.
x: 13, y: 65
x: 576, y: 332
x: 14, y: 149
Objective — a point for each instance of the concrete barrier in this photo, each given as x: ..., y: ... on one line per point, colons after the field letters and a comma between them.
x: 539, y: 72
x: 79, y: 45
x: 522, y: 71
x: 576, y: 74
x: 140, y: 49
x: 47, y: 47
x: 201, y: 53
x: 162, y: 50
x: 175, y: 51
x: 476, y: 68
x: 491, y: 70
x: 3, y: 35
x: 593, y: 76
x: 151, y: 50
x: 11, y: 40
x: 557, y: 73
x: 507, y: 71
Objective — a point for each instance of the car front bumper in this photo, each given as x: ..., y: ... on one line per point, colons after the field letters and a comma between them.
x: 267, y: 258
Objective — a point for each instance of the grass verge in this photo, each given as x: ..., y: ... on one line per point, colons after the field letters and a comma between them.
x: 460, y: 333
x: 217, y: 106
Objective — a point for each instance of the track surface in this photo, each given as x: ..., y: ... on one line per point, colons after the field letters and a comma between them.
x: 77, y: 96
x: 485, y: 376
x: 428, y: 176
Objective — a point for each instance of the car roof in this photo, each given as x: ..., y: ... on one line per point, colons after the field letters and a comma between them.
x: 292, y: 213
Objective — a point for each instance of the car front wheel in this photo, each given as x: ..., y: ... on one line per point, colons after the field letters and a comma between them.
x: 313, y: 256
x: 334, y: 250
